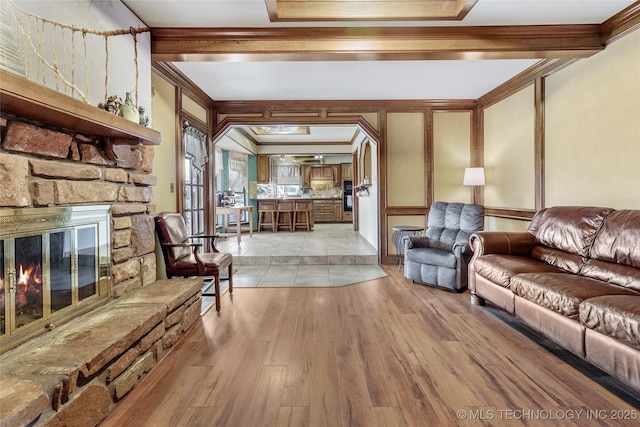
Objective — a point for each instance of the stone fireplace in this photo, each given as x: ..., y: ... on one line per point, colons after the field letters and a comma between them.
x: 77, y: 260
x: 49, y: 172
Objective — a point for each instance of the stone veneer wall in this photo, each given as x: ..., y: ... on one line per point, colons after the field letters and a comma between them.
x: 41, y: 167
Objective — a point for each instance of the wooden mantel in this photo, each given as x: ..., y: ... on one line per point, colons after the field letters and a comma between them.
x: 24, y: 98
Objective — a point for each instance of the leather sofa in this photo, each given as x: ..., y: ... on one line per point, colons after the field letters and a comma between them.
x: 573, y: 276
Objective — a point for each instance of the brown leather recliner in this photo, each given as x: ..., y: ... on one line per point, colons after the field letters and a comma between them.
x: 182, y: 256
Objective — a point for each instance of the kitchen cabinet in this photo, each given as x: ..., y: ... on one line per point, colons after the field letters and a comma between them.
x: 264, y: 169
x: 347, y: 216
x: 336, y: 175
x: 337, y: 210
x: 347, y: 171
x: 305, y: 171
x: 327, y: 210
x: 321, y: 173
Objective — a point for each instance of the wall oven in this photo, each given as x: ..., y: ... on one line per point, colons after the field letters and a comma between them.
x: 347, y: 196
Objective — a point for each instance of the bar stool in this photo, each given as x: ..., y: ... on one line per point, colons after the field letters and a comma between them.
x: 267, y: 215
x: 302, y: 215
x: 284, y: 214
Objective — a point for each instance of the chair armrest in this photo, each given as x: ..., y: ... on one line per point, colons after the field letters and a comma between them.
x: 182, y: 245
x: 213, y: 238
x: 203, y: 236
x: 461, y: 247
x: 498, y: 242
x: 411, y: 242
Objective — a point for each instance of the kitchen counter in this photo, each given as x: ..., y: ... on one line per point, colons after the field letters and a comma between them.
x: 272, y: 203
x: 300, y: 198
x: 325, y: 208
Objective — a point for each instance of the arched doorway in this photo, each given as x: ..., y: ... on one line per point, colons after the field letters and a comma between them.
x: 240, y: 134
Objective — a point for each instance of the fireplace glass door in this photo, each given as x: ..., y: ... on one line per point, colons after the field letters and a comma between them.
x: 87, y: 263
x: 28, y: 265
x: 54, y: 266
x: 60, y: 271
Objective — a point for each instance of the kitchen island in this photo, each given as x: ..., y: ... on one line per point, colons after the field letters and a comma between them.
x: 323, y: 209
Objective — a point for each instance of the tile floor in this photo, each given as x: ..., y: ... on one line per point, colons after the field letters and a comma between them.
x: 330, y: 255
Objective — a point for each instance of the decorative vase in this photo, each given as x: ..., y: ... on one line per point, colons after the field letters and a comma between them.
x: 129, y: 111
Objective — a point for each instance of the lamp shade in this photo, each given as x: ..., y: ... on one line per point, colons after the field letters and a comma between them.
x: 473, y: 176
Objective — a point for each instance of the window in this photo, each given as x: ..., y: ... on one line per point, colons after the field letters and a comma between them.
x: 195, y: 159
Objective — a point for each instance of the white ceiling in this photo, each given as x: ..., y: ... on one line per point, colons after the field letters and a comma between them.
x: 360, y: 80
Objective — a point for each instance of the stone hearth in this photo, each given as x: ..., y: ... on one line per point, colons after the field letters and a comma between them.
x: 74, y: 374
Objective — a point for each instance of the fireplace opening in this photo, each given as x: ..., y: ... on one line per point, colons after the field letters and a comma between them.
x: 55, y: 264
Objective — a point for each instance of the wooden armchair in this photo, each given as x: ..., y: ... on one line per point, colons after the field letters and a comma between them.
x: 182, y: 256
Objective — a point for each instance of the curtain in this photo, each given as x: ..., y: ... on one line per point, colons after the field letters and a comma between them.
x: 238, y: 171
x: 195, y: 147
x: 289, y: 174
x: 218, y: 158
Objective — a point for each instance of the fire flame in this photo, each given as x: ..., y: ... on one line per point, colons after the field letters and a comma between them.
x: 25, y: 275
x: 26, y: 279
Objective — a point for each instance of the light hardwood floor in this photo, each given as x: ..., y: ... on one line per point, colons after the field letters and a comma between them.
x: 384, y: 352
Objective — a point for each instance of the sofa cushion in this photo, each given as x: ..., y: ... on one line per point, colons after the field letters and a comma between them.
x: 619, y: 239
x: 621, y: 275
x: 615, y: 251
x: 432, y: 256
x: 616, y: 316
x: 562, y: 292
x: 568, y: 228
x: 557, y: 258
x: 500, y: 268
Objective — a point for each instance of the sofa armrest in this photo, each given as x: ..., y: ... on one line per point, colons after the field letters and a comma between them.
x: 498, y: 242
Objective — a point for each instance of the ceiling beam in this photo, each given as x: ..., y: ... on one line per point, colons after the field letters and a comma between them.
x: 375, y: 43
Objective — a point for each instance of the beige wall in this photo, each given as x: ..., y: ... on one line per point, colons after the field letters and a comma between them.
x: 192, y: 107
x: 406, y: 159
x: 368, y: 209
x: 504, y: 224
x: 414, y: 220
x: 452, y: 154
x: 163, y: 110
x: 593, y: 129
x: 509, y: 151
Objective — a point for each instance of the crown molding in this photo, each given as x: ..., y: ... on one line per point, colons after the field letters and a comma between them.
x: 621, y: 24
x: 171, y: 73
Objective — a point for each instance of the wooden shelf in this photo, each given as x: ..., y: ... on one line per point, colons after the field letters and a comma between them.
x: 24, y: 98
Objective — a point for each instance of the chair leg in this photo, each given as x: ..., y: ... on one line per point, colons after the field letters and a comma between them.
x: 231, y: 278
x: 217, y: 285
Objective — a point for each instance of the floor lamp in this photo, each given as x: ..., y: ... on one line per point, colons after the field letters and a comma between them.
x: 475, y: 178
